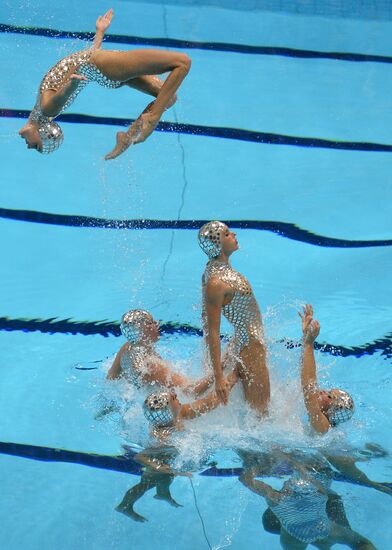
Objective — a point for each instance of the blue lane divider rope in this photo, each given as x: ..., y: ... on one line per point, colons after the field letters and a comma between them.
x: 197, y: 45
x: 266, y: 138
x: 125, y: 463
x: 283, y: 229
x: 106, y: 328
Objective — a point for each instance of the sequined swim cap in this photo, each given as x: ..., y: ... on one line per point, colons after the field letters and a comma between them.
x: 51, y: 136
x: 341, y: 409
x: 157, y: 409
x: 133, y: 324
x: 210, y: 238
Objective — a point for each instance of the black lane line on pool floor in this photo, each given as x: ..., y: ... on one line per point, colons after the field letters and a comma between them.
x: 283, y: 229
x: 126, y: 464
x: 238, y: 134
x: 197, y: 45
x: 106, y: 328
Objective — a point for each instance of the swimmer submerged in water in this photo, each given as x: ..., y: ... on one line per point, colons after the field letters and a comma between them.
x: 166, y: 414
x: 305, y: 510
x: 138, y: 362
x: 227, y: 292
x: 326, y: 409
x: 111, y: 69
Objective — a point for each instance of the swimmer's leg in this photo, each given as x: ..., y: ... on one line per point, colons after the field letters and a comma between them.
x: 163, y: 490
x: 128, y: 65
x: 150, y: 85
x: 132, y: 496
x: 254, y: 375
x: 290, y: 543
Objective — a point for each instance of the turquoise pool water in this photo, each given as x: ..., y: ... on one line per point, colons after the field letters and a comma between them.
x: 283, y: 126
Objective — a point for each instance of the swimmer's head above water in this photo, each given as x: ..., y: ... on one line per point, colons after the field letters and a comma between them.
x: 337, y: 405
x: 161, y: 409
x: 45, y: 137
x: 216, y: 238
x: 139, y: 327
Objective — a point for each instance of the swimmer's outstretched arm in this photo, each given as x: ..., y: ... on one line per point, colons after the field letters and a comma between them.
x: 215, y: 295
x: 248, y: 478
x: 206, y: 404
x: 310, y: 330
x: 346, y: 465
x: 101, y: 26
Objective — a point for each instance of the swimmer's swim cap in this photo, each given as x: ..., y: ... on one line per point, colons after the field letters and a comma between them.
x: 133, y: 323
x: 157, y: 410
x: 210, y: 238
x: 342, y: 408
x: 51, y: 136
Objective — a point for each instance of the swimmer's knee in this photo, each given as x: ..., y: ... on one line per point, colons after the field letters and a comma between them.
x: 184, y: 61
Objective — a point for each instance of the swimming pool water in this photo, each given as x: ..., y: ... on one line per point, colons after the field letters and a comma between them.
x: 282, y: 126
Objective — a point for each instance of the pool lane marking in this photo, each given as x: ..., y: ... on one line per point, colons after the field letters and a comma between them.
x: 238, y: 134
x: 126, y: 464
x: 107, y: 328
x: 197, y: 45
x: 283, y: 229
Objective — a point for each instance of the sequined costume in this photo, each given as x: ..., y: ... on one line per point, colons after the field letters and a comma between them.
x: 243, y: 311
x: 58, y: 76
x: 134, y: 360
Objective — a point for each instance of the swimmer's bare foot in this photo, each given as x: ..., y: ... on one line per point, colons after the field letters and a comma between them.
x: 169, y: 499
x: 122, y: 144
x: 130, y: 512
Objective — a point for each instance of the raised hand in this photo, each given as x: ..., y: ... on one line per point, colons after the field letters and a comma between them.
x: 103, y: 21
x: 310, y: 327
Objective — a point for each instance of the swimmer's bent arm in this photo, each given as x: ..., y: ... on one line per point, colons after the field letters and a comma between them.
x: 101, y: 25
x: 115, y: 370
x: 215, y: 295
x: 208, y: 403
x: 317, y: 418
x: 310, y: 330
x: 247, y: 478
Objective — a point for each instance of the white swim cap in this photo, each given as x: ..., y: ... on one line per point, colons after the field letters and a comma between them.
x: 341, y: 409
x: 51, y: 136
x: 133, y: 324
x: 157, y: 410
x: 210, y: 238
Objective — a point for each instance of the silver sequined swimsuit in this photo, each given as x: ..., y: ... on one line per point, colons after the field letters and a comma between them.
x: 302, y: 510
x: 58, y: 76
x: 243, y: 311
x: 133, y: 362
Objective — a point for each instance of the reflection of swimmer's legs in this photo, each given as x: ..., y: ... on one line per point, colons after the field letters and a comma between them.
x: 254, y: 375
x: 132, y: 496
x: 335, y: 510
x: 348, y: 537
x: 290, y: 543
x: 163, y: 482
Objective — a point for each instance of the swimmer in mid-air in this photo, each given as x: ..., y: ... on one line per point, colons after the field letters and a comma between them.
x: 227, y: 292
x: 326, y: 409
x: 138, y: 362
x: 111, y: 69
x: 166, y: 414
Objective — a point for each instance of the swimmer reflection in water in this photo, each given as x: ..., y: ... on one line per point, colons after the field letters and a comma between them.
x: 227, y: 292
x: 326, y: 409
x: 111, y: 69
x: 139, y: 363
x: 306, y: 510
x: 156, y: 474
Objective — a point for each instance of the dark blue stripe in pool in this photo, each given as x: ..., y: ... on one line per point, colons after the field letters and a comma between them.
x: 283, y: 229
x: 195, y: 45
x: 126, y: 463
x: 218, y: 132
x: 106, y: 328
